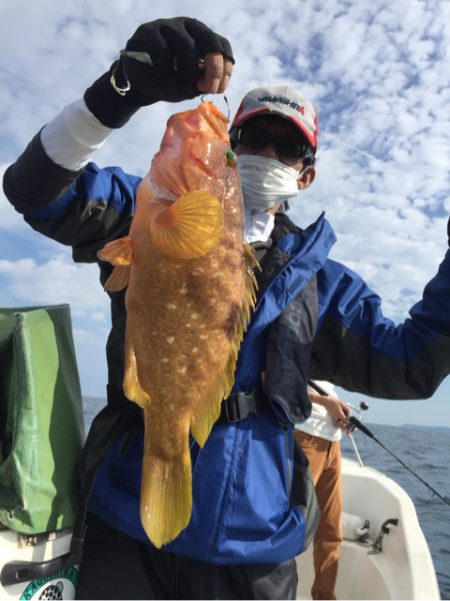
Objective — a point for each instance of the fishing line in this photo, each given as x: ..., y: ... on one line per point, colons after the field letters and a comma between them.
x: 228, y: 106
x: 355, y: 421
x: 338, y: 140
x: 366, y: 154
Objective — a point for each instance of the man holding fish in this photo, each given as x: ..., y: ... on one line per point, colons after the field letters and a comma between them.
x: 222, y: 309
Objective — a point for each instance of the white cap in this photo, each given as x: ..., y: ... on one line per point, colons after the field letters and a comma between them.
x: 283, y: 101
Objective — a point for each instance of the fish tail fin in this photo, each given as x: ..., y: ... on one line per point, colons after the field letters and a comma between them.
x: 190, y: 227
x: 166, y: 494
x: 119, y: 278
x: 131, y: 383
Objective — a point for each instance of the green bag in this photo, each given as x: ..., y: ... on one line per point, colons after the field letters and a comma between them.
x: 41, y: 420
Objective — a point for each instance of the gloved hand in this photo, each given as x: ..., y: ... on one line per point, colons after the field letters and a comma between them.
x: 167, y: 59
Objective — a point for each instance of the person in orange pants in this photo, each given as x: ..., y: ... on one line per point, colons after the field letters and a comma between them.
x: 319, y: 438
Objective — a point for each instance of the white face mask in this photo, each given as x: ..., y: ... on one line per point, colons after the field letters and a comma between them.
x: 266, y: 182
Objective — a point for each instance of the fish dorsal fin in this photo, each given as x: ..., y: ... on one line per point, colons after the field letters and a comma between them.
x: 251, y: 261
x: 221, y: 388
x: 117, y: 252
x: 190, y: 227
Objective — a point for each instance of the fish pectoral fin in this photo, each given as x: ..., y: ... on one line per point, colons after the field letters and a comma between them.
x: 190, y: 227
x: 117, y: 252
x: 166, y: 495
x: 119, y: 278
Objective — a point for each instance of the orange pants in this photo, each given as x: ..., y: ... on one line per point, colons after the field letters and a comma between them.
x: 325, y: 462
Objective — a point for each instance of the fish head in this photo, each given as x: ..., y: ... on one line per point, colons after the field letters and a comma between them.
x: 193, y: 152
x: 192, y: 192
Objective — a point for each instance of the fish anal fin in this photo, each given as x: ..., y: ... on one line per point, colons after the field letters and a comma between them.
x: 119, y: 278
x: 166, y: 494
x: 221, y: 388
x: 131, y: 383
x: 190, y: 227
x: 117, y: 252
x: 208, y: 415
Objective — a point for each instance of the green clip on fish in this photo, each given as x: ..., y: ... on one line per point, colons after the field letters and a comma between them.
x: 231, y: 158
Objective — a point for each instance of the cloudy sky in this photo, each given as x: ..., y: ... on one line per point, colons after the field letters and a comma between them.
x: 378, y: 74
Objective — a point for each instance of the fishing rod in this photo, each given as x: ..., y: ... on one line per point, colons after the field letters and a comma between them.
x: 355, y: 422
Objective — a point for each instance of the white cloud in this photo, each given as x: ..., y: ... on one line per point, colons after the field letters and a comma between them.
x: 377, y: 73
x: 55, y: 281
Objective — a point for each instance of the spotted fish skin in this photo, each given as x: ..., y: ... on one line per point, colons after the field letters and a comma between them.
x: 190, y: 293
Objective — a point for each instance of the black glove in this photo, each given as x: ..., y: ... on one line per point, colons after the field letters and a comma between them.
x: 160, y: 62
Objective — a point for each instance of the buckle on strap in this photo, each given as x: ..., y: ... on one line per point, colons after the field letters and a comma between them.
x: 240, y: 405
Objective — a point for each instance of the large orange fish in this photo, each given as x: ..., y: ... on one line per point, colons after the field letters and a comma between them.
x: 190, y: 292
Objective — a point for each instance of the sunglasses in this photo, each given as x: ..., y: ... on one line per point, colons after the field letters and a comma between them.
x: 287, y: 146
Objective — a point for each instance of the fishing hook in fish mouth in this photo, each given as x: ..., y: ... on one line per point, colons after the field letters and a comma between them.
x: 202, y: 98
x: 228, y: 106
x: 201, y: 67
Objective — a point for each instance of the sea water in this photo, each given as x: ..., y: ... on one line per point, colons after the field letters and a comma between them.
x: 426, y: 451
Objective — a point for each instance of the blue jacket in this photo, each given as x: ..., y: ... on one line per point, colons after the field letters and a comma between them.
x: 242, y: 478
x: 315, y: 318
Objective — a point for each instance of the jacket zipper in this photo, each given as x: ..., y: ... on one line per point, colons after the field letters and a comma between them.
x: 288, y: 463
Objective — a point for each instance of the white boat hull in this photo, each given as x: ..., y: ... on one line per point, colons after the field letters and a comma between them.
x: 403, y: 569
x: 35, y: 549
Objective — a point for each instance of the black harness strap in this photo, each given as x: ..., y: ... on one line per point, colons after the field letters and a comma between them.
x: 240, y: 405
